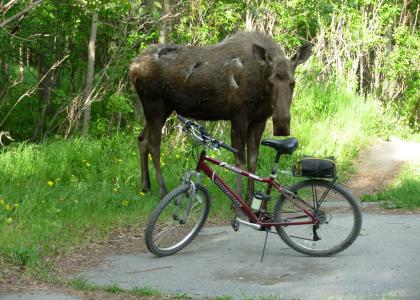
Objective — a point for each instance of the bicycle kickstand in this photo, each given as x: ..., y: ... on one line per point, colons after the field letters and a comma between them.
x: 265, y: 244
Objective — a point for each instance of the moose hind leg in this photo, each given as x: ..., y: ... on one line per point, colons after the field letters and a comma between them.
x: 154, y: 139
x: 144, y: 164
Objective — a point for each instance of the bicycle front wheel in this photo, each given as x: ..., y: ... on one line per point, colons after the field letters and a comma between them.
x: 177, y: 220
x: 339, y: 215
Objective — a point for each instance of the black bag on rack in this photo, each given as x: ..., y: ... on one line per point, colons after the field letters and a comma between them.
x: 315, y: 167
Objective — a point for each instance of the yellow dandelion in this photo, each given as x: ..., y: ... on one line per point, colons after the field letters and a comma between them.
x: 9, y: 220
x: 124, y: 203
x: 8, y: 207
x: 2, y: 202
x: 142, y: 194
x: 50, y: 183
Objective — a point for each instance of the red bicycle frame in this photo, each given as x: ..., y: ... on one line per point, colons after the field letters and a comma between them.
x: 238, y: 201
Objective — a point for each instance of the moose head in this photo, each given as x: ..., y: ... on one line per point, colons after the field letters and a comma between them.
x: 281, y: 83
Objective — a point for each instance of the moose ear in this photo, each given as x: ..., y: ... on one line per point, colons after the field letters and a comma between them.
x: 260, y: 55
x: 301, y: 55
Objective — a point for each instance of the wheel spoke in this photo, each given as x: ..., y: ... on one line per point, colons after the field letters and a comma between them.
x: 338, y: 214
x: 165, y: 234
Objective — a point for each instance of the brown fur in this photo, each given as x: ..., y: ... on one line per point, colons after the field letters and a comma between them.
x: 244, y: 79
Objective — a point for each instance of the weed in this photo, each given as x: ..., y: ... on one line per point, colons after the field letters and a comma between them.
x: 113, y: 289
x: 180, y: 296
x: 224, y: 297
x: 145, y: 292
x: 81, y: 284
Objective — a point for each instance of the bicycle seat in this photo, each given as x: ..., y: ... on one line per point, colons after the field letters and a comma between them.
x: 286, y: 146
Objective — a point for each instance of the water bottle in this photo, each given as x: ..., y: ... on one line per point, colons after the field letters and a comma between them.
x: 256, y: 201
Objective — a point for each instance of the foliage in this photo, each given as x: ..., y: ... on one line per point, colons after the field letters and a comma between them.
x: 371, y: 46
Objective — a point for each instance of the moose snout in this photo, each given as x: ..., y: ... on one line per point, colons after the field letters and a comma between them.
x: 281, y: 127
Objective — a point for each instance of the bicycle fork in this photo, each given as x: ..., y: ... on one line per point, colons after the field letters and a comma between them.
x: 192, y: 191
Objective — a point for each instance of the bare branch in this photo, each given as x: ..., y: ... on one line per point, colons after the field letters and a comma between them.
x: 21, y: 13
x: 7, y: 6
x: 33, y: 89
x: 5, y: 135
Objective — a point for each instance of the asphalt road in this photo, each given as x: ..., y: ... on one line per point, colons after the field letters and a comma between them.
x: 384, y: 261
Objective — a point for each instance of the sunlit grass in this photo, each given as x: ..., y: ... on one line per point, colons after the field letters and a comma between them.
x: 404, y: 192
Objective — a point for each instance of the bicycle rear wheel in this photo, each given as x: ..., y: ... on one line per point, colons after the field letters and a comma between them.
x: 177, y: 220
x: 338, y: 212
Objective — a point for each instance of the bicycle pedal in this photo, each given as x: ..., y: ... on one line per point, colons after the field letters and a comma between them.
x: 235, y: 224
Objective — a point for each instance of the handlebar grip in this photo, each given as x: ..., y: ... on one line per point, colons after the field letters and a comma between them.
x: 228, y: 147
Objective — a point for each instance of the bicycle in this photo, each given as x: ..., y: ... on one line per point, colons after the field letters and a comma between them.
x: 316, y: 217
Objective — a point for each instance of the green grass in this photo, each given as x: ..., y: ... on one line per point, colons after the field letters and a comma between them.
x: 81, y: 284
x: 146, y: 292
x: 113, y: 289
x: 65, y: 193
x: 404, y: 192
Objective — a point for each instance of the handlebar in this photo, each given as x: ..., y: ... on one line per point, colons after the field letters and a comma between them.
x: 200, y: 133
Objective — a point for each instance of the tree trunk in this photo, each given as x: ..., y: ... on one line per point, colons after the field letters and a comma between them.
x: 3, y: 79
x: 90, y: 75
x: 44, y: 95
x: 163, y: 30
x: 28, y: 57
x: 21, y: 64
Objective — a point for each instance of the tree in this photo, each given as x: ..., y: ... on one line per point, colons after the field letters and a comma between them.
x: 90, y: 75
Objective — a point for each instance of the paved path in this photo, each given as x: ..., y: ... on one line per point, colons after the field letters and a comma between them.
x: 384, y: 260
x: 378, y: 165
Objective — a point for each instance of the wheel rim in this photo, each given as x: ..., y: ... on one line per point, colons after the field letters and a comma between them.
x: 337, y: 219
x: 177, y: 222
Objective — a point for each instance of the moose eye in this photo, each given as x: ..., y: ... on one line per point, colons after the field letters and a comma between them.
x: 281, y: 76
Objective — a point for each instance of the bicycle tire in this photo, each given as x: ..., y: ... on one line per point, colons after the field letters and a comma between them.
x: 178, y: 197
x: 307, y: 242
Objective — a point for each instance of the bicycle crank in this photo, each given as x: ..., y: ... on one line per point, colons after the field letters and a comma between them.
x: 235, y: 224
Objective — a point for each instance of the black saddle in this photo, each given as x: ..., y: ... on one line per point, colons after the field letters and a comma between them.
x: 286, y: 146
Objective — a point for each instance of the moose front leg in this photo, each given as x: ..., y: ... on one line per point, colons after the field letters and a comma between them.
x: 238, y: 140
x: 255, y: 131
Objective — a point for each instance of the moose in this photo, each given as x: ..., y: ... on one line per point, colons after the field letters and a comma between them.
x: 245, y: 79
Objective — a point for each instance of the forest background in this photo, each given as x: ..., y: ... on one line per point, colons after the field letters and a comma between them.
x: 69, y: 117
